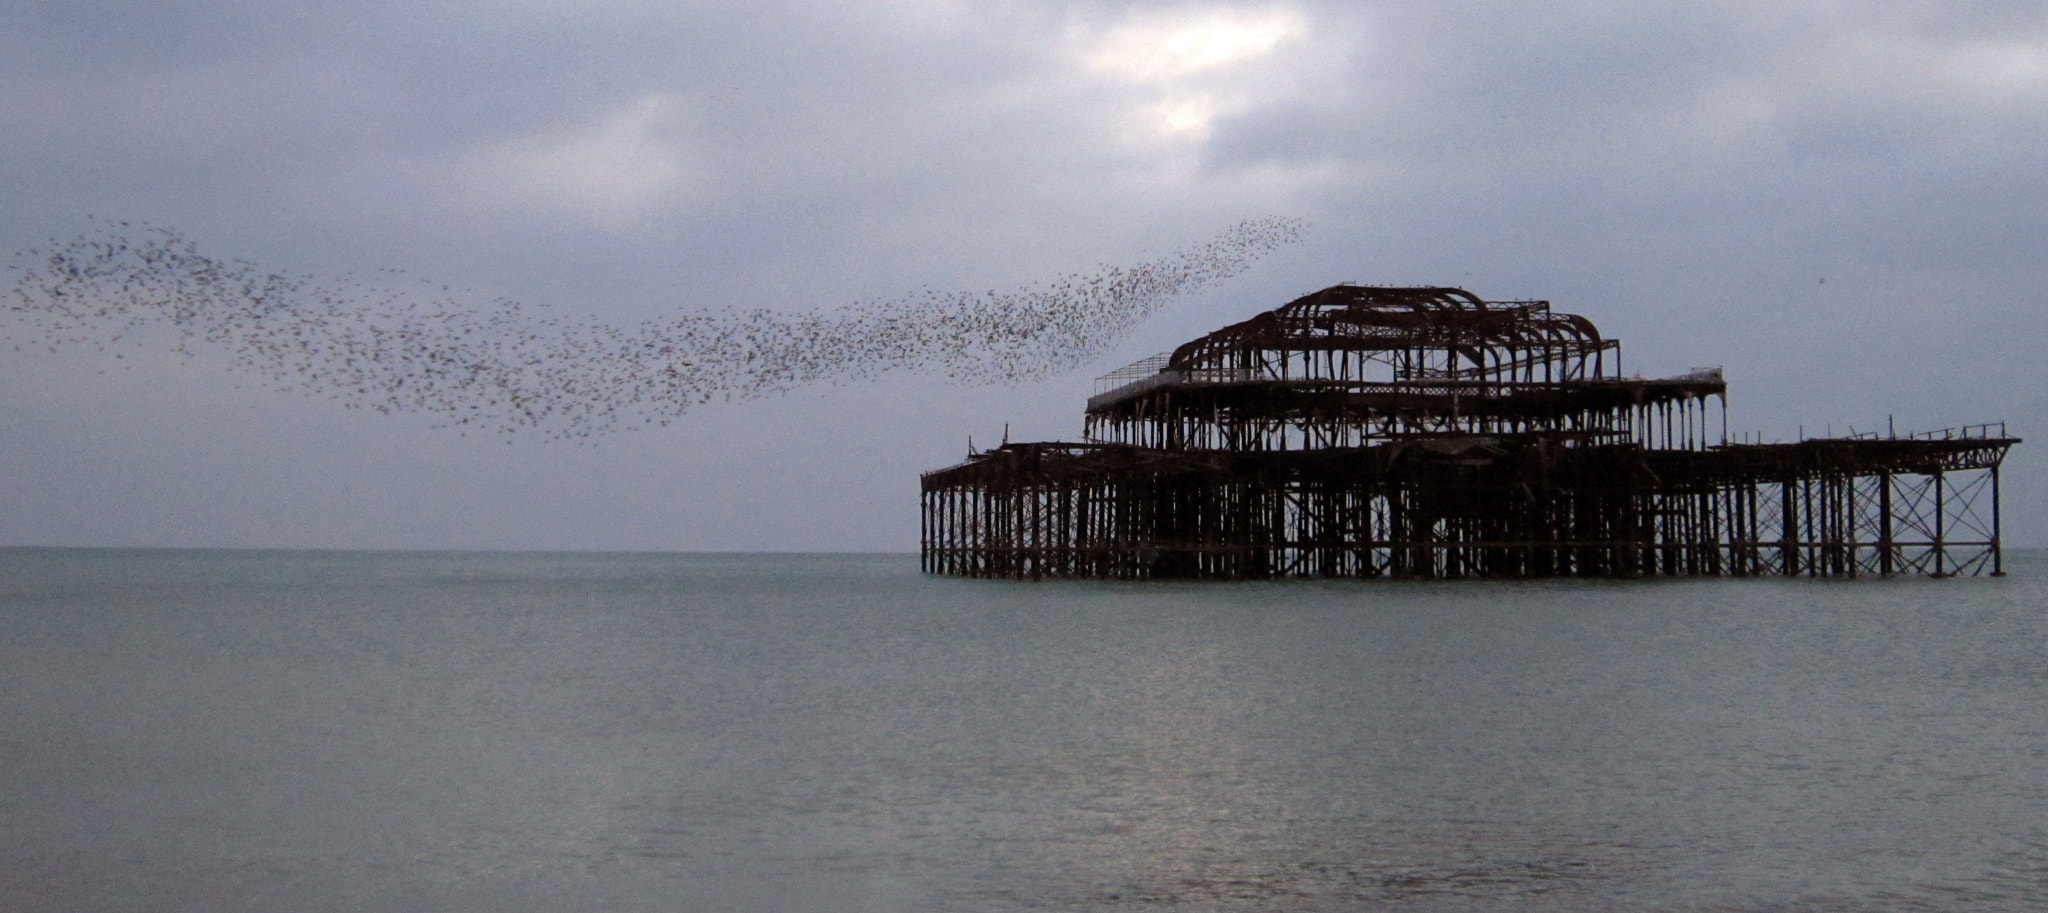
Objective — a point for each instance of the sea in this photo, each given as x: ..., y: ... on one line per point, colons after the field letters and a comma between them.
x: 430, y: 731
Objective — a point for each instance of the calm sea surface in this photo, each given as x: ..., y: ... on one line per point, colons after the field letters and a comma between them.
x: 313, y: 731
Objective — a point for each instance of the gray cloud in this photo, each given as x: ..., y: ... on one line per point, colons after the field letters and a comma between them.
x: 1683, y: 174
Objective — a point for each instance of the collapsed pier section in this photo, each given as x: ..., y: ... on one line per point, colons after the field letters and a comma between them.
x: 1425, y: 433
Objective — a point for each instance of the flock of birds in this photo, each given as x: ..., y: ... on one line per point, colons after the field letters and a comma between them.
x: 506, y: 368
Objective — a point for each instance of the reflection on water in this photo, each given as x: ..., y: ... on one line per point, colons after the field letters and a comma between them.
x: 311, y: 731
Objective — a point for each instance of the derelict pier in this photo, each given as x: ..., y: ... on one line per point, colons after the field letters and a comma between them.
x: 1425, y: 433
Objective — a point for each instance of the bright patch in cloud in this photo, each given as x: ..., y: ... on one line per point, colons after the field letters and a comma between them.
x: 1157, y: 48
x: 1187, y: 67
x: 612, y: 173
x: 1189, y: 115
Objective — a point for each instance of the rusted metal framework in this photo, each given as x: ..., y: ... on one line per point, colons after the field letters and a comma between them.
x: 1423, y: 432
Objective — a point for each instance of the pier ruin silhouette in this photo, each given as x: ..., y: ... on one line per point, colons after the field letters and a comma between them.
x: 1425, y: 433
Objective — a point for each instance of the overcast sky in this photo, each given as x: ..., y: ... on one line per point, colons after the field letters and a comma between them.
x: 1843, y: 204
